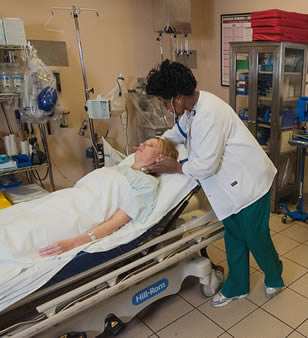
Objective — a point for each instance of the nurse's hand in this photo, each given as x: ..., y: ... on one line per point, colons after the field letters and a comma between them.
x: 57, y: 248
x: 165, y: 165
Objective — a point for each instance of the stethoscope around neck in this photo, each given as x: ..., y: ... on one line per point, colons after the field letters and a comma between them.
x: 180, y: 128
x: 176, y: 119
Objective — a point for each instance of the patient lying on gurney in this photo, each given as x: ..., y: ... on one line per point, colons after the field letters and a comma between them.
x: 63, y: 218
x: 137, y: 206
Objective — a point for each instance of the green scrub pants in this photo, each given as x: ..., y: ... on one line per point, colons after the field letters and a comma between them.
x: 247, y: 231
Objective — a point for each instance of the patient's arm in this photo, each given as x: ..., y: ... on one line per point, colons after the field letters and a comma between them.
x: 106, y: 228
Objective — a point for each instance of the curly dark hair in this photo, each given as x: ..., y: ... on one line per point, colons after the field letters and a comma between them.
x: 170, y: 79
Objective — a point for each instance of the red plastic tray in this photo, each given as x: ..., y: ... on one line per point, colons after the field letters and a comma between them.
x: 283, y: 22
x: 282, y: 31
x: 278, y: 37
x: 277, y: 13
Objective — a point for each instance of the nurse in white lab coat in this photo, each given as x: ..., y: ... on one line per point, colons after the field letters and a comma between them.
x: 234, y: 171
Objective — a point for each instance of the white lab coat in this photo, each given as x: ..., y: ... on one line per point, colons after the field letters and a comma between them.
x: 231, y: 166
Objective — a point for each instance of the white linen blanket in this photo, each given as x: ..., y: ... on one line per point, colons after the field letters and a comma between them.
x: 27, y: 226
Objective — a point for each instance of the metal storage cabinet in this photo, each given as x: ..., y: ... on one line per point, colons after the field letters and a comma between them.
x: 266, y: 80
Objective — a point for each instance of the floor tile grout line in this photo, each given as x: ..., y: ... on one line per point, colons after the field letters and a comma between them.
x: 278, y: 231
x: 247, y: 315
x: 260, y: 307
x: 251, y: 301
x: 287, y: 287
x: 156, y: 332
x: 293, y: 239
x: 176, y: 294
x: 152, y: 335
x: 304, y: 225
x: 146, y: 325
x: 227, y: 333
x: 293, y: 332
x: 292, y: 260
x: 297, y: 279
x: 306, y: 268
x: 277, y: 318
x: 305, y: 320
x: 211, y: 320
x: 197, y: 308
x: 299, y: 244
x: 191, y: 303
x: 306, y: 297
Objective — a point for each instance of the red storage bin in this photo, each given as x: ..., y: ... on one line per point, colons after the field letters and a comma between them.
x: 278, y: 25
x: 282, y: 31
x: 277, y: 13
x: 272, y: 22
x: 277, y: 37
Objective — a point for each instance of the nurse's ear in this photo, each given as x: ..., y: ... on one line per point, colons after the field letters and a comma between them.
x: 179, y: 99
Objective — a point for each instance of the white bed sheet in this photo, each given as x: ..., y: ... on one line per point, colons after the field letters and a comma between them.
x: 22, y: 270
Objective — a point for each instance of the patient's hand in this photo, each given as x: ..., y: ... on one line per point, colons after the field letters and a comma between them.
x: 57, y: 248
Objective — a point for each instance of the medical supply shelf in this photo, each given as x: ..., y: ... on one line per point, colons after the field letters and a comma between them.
x: 23, y: 169
x: 13, y: 47
x: 266, y: 80
x: 10, y: 98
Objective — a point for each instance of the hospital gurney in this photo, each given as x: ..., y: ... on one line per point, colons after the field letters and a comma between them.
x: 124, y: 285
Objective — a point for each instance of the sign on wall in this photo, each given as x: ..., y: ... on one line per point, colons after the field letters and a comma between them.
x: 234, y: 27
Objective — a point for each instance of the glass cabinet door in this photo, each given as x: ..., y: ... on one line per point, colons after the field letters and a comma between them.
x: 291, y: 91
x: 241, y: 90
x: 292, y: 85
x: 264, y: 98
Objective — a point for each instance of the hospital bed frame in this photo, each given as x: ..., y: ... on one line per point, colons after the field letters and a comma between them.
x: 150, y: 272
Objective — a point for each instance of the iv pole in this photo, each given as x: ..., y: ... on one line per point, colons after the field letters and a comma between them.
x: 75, y: 13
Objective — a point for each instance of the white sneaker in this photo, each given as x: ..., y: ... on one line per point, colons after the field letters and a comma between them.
x: 220, y: 300
x: 271, y: 292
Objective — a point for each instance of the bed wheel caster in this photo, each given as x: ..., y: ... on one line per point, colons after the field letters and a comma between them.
x: 284, y: 219
x: 213, y: 282
x: 113, y: 326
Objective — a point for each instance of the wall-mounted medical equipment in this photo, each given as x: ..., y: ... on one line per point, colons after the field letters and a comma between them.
x: 152, y: 118
x: 113, y: 101
x: 99, y: 108
x: 117, y: 95
x: 173, y: 17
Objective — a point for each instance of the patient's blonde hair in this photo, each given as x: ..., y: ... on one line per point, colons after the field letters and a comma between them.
x: 167, y: 148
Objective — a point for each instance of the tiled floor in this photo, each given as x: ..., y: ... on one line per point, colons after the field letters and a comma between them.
x: 189, y: 314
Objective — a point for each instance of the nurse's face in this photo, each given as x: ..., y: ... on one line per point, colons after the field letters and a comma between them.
x: 147, y: 152
x: 174, y: 105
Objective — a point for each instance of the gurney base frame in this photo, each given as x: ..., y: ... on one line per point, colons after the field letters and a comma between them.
x: 131, y: 295
x: 122, y: 304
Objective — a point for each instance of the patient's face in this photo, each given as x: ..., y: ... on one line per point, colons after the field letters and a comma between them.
x: 147, y: 152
